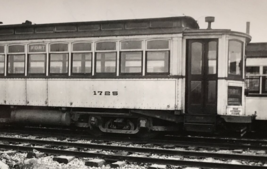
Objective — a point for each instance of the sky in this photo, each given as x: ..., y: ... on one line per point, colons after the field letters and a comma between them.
x: 229, y: 14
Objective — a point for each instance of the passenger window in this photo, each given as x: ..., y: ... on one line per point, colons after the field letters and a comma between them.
x: 131, y: 62
x: 264, y: 69
x: 131, y: 57
x: 2, y: 59
x: 16, y: 59
x: 58, y: 59
x: 37, y: 63
x: 106, y: 58
x: 235, y: 58
x: 59, y: 63
x: 264, y: 80
x: 81, y: 58
x: 37, y: 59
x: 81, y: 63
x: 157, y: 57
x: 106, y: 62
x: 252, y: 70
x: 157, y: 62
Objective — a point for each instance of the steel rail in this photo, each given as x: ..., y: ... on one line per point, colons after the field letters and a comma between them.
x: 137, y: 149
x: 133, y: 159
x: 166, y: 139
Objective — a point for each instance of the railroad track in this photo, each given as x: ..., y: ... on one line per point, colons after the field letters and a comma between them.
x: 169, y: 156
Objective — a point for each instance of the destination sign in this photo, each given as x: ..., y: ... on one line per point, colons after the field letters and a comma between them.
x: 37, y: 48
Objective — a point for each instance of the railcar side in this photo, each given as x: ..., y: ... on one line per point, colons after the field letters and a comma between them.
x: 121, y: 76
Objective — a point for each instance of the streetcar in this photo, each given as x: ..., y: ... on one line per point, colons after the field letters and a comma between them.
x: 124, y: 76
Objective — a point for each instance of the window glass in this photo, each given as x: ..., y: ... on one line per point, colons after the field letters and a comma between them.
x: 2, y: 64
x: 131, y: 45
x: 264, y: 85
x: 16, y: 48
x: 252, y: 70
x: 106, y: 46
x: 81, y: 63
x: 82, y: 47
x: 253, y: 84
x: 59, y: 63
x: 196, y: 92
x: 234, y: 95
x: 37, y: 63
x: 58, y: 47
x: 212, y: 92
x: 235, y: 58
x: 106, y: 62
x: 2, y: 49
x: 196, y: 61
x: 131, y: 62
x: 16, y: 64
x: 212, y: 58
x: 158, y: 44
x: 157, y: 62
x: 264, y: 70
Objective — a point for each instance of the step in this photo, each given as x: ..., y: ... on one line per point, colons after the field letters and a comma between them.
x: 199, y: 118
x: 200, y: 127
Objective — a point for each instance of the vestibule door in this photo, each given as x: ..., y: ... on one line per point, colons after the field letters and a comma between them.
x: 201, y: 74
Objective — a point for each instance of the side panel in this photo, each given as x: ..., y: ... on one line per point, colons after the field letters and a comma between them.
x: 16, y: 91
x: 36, y: 92
x: 2, y: 91
x: 119, y: 93
x: 257, y: 105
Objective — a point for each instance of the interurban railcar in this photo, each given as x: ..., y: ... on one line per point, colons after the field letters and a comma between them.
x: 122, y: 76
x: 256, y: 83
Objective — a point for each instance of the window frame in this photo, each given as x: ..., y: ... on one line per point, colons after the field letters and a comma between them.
x: 58, y: 52
x: 261, y: 76
x: 72, y: 63
x: 36, y: 53
x: 232, y: 76
x: 133, y: 74
x: 240, y: 97
x: 112, y: 74
x: 15, y: 53
x: 158, y: 50
x: 106, y: 73
x: 81, y: 52
x: 4, y: 54
x: 158, y: 73
x: 131, y: 50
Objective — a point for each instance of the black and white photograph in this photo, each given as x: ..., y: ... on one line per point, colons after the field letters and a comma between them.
x: 133, y: 84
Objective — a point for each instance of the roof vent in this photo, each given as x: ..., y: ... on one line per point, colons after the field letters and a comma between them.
x: 27, y: 22
x: 209, y: 19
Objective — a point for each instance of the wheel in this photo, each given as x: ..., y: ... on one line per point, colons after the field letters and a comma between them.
x: 95, y: 131
x: 147, y: 134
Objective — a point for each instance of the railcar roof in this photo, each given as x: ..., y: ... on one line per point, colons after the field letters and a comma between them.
x: 98, y: 28
x: 256, y: 50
